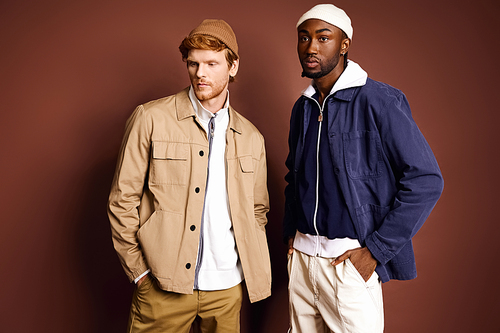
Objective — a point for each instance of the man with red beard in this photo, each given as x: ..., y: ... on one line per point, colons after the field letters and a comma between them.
x: 362, y: 180
x: 189, y: 199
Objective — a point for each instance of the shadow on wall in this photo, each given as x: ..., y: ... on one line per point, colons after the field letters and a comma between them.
x: 108, y: 290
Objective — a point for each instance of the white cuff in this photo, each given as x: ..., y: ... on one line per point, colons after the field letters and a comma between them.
x: 142, y: 275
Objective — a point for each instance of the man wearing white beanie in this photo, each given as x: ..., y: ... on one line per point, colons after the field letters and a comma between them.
x: 361, y: 182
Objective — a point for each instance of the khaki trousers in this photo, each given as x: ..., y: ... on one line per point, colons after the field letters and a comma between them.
x: 324, y: 298
x: 156, y: 310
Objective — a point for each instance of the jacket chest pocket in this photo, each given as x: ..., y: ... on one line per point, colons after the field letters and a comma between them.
x: 246, y: 173
x: 169, y: 163
x: 362, y: 154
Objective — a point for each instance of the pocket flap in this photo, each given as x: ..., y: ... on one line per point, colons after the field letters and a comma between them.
x: 246, y: 163
x: 170, y: 150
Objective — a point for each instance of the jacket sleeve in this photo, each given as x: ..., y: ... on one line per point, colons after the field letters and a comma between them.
x: 126, y: 192
x: 261, y: 195
x: 289, y: 220
x: 418, y: 180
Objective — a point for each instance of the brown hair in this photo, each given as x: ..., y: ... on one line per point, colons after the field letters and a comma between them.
x: 206, y: 42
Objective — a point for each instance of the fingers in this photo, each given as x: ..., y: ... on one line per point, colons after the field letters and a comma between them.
x: 346, y: 255
x: 290, y: 245
x: 341, y: 258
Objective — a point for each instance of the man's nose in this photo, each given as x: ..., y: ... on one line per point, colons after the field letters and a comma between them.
x: 312, y: 47
x: 200, y: 72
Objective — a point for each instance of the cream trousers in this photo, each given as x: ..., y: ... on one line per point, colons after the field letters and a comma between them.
x: 324, y: 298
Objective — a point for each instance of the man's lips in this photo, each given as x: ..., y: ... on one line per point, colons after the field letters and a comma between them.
x: 310, y: 62
x: 202, y: 84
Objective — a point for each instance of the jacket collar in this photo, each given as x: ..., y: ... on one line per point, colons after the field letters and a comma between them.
x: 235, y: 120
x: 184, y: 109
x: 183, y: 106
x: 353, y: 76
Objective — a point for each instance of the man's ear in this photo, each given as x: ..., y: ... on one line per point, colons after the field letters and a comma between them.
x: 234, y: 67
x: 344, y: 46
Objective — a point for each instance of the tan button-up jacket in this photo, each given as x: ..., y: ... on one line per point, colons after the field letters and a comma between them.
x: 156, y: 200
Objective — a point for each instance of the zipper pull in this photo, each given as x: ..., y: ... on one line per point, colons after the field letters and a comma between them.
x: 320, y: 117
x: 211, y: 127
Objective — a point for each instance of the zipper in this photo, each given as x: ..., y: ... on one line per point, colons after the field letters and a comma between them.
x: 316, y: 206
x: 211, y: 128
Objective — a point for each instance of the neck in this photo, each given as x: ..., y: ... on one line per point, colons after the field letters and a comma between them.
x: 325, y: 84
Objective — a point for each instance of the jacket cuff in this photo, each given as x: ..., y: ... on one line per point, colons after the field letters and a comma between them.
x: 137, y: 273
x: 378, y: 249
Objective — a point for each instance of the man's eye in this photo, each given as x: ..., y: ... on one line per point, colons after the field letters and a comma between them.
x: 304, y: 39
x: 323, y: 39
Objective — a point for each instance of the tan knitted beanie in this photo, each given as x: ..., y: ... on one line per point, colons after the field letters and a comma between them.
x: 218, y: 29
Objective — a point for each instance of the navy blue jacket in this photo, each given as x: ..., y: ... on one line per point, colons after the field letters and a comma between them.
x: 386, y: 170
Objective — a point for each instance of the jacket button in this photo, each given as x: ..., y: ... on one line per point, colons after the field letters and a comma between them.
x: 197, y: 190
x: 188, y: 265
x: 193, y: 227
x: 202, y: 153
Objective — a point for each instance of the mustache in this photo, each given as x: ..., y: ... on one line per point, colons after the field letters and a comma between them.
x: 311, y: 58
x: 303, y: 74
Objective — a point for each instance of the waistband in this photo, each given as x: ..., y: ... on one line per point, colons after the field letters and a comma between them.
x: 321, y: 246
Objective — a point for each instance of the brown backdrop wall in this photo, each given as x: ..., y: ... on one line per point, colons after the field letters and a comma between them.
x: 73, y: 71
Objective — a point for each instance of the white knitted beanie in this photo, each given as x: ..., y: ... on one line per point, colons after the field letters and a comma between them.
x: 330, y: 14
